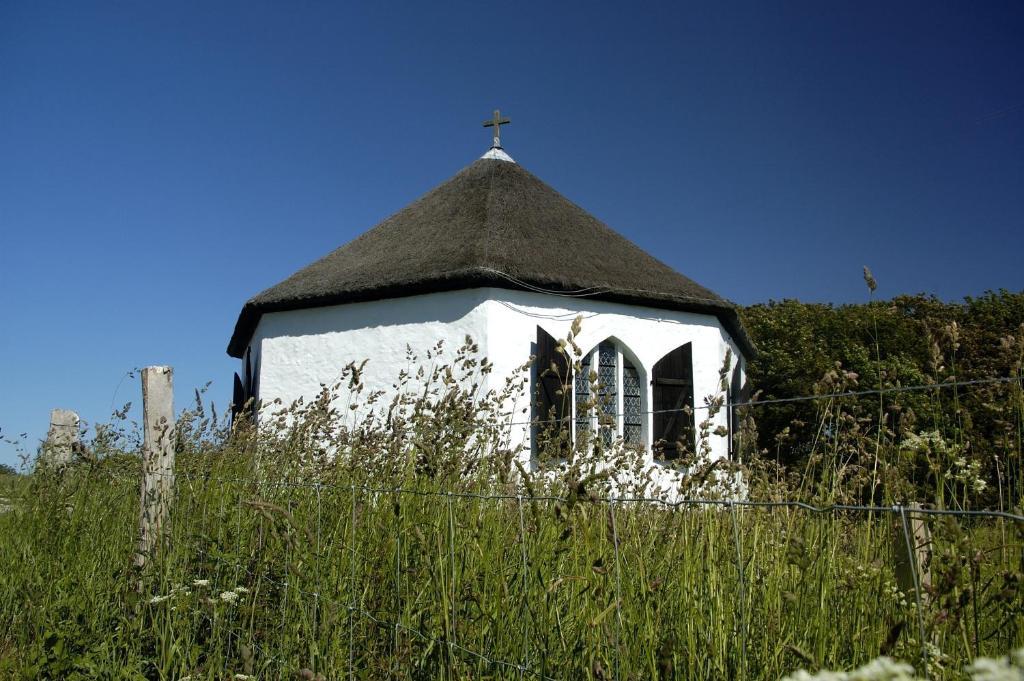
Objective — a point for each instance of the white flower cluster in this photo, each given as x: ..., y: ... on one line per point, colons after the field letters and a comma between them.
x: 936, y: 660
x: 228, y: 597
x: 969, y: 473
x: 955, y: 463
x: 893, y: 594
x: 1010, y: 668
x: 176, y: 591
x: 879, y: 669
x: 930, y: 442
x: 865, y: 571
x: 232, y: 595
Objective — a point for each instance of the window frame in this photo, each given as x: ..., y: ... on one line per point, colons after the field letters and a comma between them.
x: 592, y: 419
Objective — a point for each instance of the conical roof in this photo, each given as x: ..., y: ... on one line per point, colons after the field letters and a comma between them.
x: 492, y: 224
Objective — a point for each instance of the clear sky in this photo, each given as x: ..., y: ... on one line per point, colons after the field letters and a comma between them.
x: 160, y: 163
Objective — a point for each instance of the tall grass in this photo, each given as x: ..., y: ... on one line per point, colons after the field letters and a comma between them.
x: 411, y: 545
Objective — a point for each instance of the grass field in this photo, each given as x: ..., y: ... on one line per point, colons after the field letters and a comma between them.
x: 415, y: 547
x: 330, y: 574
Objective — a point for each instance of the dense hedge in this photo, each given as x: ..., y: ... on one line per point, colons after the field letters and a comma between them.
x: 909, y: 340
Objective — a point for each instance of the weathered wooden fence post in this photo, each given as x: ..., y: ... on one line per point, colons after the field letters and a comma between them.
x: 61, y: 438
x: 157, y: 458
x: 920, y: 538
x: 922, y: 535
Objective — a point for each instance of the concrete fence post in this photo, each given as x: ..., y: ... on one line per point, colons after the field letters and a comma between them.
x: 157, y: 458
x: 61, y: 438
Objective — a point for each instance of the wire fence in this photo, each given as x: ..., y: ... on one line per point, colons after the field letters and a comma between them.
x: 417, y: 566
x: 370, y: 580
x: 736, y: 404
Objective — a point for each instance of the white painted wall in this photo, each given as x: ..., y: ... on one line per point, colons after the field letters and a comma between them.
x: 648, y: 334
x: 300, y: 350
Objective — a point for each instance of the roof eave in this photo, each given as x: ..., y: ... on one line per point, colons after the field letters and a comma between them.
x: 249, y: 318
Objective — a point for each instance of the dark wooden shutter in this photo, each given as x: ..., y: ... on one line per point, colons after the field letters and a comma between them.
x: 734, y: 422
x: 553, y: 391
x: 243, y: 399
x: 248, y: 374
x: 237, y: 398
x: 254, y: 387
x: 672, y: 382
x: 739, y: 393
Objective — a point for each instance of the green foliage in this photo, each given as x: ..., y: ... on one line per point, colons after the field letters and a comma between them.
x: 910, y: 340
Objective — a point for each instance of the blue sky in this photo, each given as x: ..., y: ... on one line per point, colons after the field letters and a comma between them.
x: 162, y: 162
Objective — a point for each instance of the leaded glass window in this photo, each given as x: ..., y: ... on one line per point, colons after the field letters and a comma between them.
x: 632, y: 423
x: 582, y: 389
x: 607, y: 374
x: 608, y: 393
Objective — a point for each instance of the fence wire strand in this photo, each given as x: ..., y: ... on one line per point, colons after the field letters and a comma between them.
x: 668, y: 503
x: 1003, y: 380
x: 293, y: 594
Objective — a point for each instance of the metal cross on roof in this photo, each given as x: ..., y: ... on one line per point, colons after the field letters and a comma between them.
x: 496, y: 122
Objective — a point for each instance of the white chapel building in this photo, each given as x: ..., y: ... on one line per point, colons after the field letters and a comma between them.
x: 496, y: 254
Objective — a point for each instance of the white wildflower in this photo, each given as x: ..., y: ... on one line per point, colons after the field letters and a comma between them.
x: 241, y: 590
x: 182, y: 590
x: 243, y: 677
x: 823, y: 675
x: 228, y: 596
x: 1002, y: 669
x: 200, y: 582
x: 879, y: 669
x: 1010, y: 668
x: 883, y: 669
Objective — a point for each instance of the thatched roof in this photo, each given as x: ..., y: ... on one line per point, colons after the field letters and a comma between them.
x: 492, y: 224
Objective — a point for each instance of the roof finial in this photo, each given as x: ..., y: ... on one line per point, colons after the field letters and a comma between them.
x: 496, y: 122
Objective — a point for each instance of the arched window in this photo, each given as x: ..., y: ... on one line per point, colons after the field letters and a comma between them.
x: 672, y: 394
x: 608, y: 398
